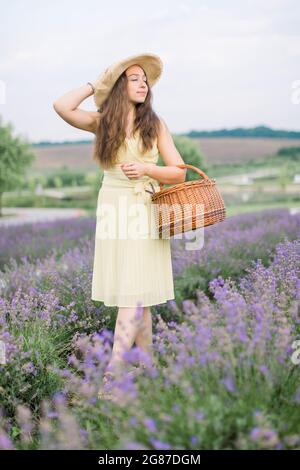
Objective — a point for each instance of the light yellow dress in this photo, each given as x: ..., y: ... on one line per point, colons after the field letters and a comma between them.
x: 132, y: 265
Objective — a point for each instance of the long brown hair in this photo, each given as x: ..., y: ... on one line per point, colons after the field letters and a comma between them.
x: 111, y: 131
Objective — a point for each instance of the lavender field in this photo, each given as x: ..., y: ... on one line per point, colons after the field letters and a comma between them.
x: 224, y: 376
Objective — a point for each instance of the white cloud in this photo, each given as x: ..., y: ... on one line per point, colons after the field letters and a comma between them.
x: 237, y: 55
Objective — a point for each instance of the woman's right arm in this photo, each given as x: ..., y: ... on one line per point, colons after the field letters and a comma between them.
x: 67, y: 108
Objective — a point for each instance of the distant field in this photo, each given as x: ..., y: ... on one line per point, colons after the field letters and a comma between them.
x: 215, y: 150
x: 77, y: 156
x: 237, y: 150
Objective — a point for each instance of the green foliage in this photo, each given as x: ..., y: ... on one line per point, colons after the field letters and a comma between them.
x: 292, y: 152
x: 65, y: 177
x: 58, y: 182
x: 32, y: 181
x: 40, y: 348
x: 258, y: 131
x: 15, y: 158
x: 189, y: 151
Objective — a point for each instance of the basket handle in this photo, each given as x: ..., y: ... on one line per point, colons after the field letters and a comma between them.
x: 192, y: 167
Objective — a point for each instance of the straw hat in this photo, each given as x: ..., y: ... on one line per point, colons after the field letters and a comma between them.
x: 151, y: 63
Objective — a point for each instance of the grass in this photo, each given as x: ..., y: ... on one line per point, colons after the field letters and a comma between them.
x: 244, y: 208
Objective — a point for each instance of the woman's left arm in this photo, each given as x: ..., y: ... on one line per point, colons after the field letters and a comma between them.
x: 168, y: 174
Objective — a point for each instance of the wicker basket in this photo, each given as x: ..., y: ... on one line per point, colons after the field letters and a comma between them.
x: 187, y: 206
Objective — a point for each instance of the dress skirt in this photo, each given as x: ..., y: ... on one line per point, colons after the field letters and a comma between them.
x: 132, y: 265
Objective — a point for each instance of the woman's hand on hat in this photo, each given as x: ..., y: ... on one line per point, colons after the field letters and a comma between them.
x: 134, y: 170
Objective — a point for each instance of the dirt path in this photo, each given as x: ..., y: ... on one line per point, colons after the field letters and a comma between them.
x: 23, y: 215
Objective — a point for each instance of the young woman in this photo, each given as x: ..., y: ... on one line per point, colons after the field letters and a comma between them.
x: 128, y: 271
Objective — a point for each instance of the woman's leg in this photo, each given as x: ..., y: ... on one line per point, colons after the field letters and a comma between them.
x: 127, y: 326
x: 143, y: 338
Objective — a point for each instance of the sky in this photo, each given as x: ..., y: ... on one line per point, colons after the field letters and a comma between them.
x: 226, y: 63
